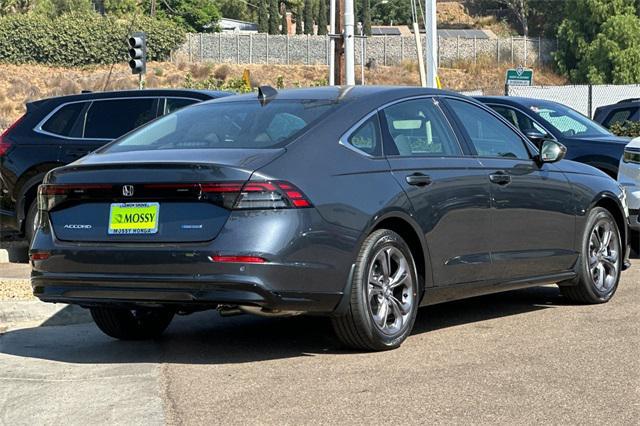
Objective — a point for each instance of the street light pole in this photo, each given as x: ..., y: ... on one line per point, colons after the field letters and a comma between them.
x: 431, y: 47
x: 332, y: 42
x: 349, y: 43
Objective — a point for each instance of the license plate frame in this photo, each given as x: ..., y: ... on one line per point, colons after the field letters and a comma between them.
x: 133, y: 226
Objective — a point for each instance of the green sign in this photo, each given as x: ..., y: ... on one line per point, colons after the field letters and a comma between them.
x: 519, y: 77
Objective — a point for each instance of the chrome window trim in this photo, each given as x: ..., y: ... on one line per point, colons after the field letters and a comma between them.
x: 39, y: 129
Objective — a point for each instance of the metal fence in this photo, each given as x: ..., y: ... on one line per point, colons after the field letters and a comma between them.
x: 584, y: 98
x: 383, y: 50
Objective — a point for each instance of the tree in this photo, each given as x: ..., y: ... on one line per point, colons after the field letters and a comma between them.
x: 322, y: 17
x: 284, y: 30
x: 192, y: 15
x: 366, y: 17
x: 53, y: 8
x: 233, y: 9
x: 263, y: 16
x: 120, y: 7
x: 599, y: 42
x: 537, y: 17
x: 308, y: 17
x: 397, y: 12
x: 274, y: 17
x: 299, y: 20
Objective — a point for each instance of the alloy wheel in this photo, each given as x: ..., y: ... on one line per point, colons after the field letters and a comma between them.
x: 390, y: 290
x: 604, y: 255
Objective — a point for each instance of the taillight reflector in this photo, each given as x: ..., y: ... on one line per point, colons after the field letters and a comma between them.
x: 69, y: 189
x: 40, y: 255
x: 237, y: 259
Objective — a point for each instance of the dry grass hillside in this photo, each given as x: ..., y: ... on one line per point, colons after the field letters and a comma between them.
x: 20, y: 84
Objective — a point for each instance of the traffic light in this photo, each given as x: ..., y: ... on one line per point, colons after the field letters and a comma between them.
x: 138, y: 53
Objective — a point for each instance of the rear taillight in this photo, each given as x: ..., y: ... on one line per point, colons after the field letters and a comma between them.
x: 230, y: 195
x: 270, y: 195
x: 51, y: 195
x: 241, y: 195
x: 5, y: 144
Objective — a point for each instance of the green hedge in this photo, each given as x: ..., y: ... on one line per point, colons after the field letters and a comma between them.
x: 79, y: 39
x: 628, y: 128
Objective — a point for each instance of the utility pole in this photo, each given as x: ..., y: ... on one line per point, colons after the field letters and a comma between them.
x: 349, y: 43
x: 431, y: 46
x: 332, y: 42
x: 339, y: 44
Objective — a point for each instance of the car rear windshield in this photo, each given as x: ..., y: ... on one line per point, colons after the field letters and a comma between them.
x: 236, y: 124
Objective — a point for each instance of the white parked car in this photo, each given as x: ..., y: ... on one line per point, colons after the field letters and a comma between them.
x: 629, y: 178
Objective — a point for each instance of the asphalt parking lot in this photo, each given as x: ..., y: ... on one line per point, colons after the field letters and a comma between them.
x: 522, y: 357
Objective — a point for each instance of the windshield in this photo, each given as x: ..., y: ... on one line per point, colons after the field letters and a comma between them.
x: 238, y: 124
x: 569, y: 122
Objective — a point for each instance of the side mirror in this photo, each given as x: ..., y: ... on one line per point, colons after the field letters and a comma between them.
x: 552, y: 151
x: 536, y: 137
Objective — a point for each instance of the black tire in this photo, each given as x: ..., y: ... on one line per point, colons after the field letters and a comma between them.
x: 21, y: 254
x: 357, y: 329
x: 30, y: 222
x: 584, y: 288
x: 132, y: 324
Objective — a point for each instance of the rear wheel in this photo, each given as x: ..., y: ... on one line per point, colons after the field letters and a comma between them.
x: 384, y: 295
x: 600, y: 262
x: 132, y: 324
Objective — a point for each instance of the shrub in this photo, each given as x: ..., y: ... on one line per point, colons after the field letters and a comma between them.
x: 80, y: 38
x: 628, y: 128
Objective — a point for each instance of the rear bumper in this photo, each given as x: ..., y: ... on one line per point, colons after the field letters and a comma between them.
x: 201, y: 292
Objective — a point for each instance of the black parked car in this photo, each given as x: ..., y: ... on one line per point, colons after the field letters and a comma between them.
x: 626, y: 110
x: 586, y: 141
x: 57, y: 131
x: 362, y: 203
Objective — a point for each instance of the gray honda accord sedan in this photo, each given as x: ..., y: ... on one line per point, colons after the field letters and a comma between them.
x: 359, y: 203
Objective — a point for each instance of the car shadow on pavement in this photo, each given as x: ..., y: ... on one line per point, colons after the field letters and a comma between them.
x: 206, y: 338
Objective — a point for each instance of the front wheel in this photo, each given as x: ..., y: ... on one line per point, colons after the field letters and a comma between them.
x: 600, y: 262
x: 132, y: 324
x: 384, y: 295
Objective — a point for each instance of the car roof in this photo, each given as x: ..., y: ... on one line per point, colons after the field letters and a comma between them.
x: 193, y: 93
x: 342, y: 94
x: 516, y: 101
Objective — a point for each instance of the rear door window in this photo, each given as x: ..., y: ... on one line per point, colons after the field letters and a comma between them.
x: 111, y: 119
x: 418, y: 128
x: 67, y: 121
x: 174, y: 104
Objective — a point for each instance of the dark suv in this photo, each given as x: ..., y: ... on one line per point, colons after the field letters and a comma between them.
x: 58, y: 131
x: 626, y: 110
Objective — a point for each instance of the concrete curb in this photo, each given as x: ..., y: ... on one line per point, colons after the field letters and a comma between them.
x: 44, y: 314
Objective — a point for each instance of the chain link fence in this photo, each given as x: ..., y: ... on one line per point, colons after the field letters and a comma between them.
x: 583, y: 98
x: 382, y: 50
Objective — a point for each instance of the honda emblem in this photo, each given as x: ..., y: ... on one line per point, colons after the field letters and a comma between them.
x: 127, y: 190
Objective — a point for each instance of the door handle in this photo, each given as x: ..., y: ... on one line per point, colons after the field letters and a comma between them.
x: 418, y: 179
x: 500, y: 178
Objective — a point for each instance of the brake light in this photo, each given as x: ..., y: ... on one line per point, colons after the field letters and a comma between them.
x: 51, y: 195
x: 241, y: 195
x: 237, y: 259
x: 5, y: 144
x: 271, y: 195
